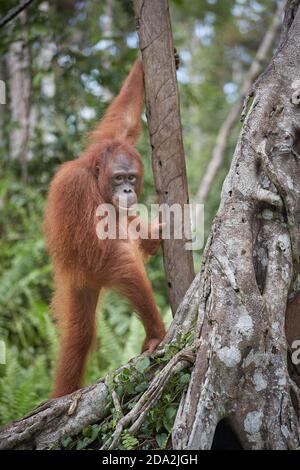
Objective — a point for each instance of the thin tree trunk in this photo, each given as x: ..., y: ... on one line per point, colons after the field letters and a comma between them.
x: 234, y: 114
x: 108, y: 12
x: 3, y: 115
x: 18, y: 64
x: 163, y: 113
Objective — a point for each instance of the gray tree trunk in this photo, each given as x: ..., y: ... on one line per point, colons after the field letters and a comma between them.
x: 236, y: 305
x: 18, y: 65
x: 249, y: 268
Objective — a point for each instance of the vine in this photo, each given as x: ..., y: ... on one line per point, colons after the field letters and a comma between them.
x: 131, y: 388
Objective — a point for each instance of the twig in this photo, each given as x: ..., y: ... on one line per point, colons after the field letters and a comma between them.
x: 231, y: 119
x: 116, y: 403
x: 14, y: 12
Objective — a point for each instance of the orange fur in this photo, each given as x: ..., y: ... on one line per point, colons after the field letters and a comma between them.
x: 82, y: 263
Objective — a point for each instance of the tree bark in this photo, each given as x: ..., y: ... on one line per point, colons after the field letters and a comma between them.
x: 234, y: 114
x: 249, y: 268
x: 163, y: 114
x: 18, y: 65
x: 56, y: 419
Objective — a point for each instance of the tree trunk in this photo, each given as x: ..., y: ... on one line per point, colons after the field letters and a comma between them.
x: 232, y: 319
x: 163, y: 114
x: 249, y: 268
x: 18, y: 65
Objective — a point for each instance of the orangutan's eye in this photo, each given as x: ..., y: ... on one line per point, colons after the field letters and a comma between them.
x: 131, y: 178
x: 118, y: 178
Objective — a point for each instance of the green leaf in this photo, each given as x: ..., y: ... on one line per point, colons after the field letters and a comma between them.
x: 184, y: 378
x: 82, y: 444
x: 129, y: 442
x: 66, y: 441
x: 161, y: 440
x: 86, y: 432
x: 141, y: 387
x: 171, y: 412
x: 120, y: 390
x: 142, y: 364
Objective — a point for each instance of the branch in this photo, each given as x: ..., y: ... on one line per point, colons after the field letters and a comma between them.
x: 67, y: 416
x: 231, y: 119
x: 14, y: 12
x: 56, y: 419
x: 139, y: 412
